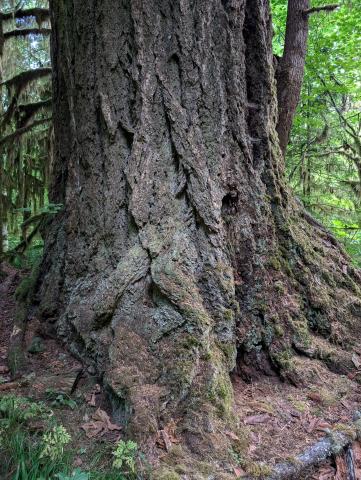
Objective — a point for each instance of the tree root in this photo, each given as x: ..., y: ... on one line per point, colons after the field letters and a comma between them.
x: 334, y: 444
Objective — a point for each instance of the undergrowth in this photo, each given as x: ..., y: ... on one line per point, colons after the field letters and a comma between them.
x: 33, y: 446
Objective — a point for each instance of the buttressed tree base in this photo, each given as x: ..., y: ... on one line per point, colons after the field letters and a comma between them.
x: 180, y: 257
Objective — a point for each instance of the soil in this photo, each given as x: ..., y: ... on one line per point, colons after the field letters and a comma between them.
x: 279, y: 419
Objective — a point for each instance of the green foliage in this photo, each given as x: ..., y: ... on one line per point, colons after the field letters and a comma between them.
x: 324, y: 155
x: 124, y: 456
x: 47, y: 453
x: 60, y: 399
x: 77, y: 474
x: 54, y: 443
x: 29, y: 456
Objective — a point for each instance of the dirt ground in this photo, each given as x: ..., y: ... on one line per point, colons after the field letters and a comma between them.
x: 279, y: 419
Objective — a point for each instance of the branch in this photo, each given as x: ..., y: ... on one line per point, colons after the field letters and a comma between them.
x: 38, y: 13
x: 20, y: 131
x: 23, y: 32
x: 26, y: 77
x: 324, y: 8
x: 28, y: 110
x: 23, y: 112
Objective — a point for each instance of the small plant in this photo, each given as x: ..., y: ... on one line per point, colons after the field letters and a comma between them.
x: 54, y: 443
x: 19, y: 409
x: 124, y: 456
x: 59, y: 399
x: 77, y: 474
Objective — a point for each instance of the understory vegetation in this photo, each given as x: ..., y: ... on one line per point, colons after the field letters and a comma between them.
x: 35, y: 446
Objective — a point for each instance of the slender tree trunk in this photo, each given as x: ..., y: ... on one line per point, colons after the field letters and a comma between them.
x: 180, y: 257
x: 291, y: 67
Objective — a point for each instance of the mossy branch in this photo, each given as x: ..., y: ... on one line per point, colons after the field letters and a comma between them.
x: 26, y: 77
x: 42, y: 13
x: 23, y: 32
x: 21, y: 131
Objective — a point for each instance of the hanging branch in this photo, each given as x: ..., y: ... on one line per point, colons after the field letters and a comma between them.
x: 18, y: 83
x: 39, y: 13
x: 23, y: 32
x: 20, y: 131
x: 25, y: 77
x: 28, y: 110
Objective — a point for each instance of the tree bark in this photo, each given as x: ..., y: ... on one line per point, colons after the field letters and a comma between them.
x: 180, y: 256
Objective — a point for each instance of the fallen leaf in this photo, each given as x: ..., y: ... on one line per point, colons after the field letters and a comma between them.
x: 78, y: 462
x: 166, y: 440
x: 92, y: 429
x: 99, y: 425
x: 4, y: 369
x: 316, y: 397
x: 102, y: 416
x: 232, y: 435
x: 356, y: 360
x: 256, y: 419
x: 239, y: 472
x: 167, y: 436
x: 321, y: 426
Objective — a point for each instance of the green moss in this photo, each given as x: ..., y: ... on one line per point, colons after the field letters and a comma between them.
x: 274, y: 263
x: 26, y: 288
x: 228, y: 315
x: 16, y: 359
x: 166, y: 473
x: 348, y: 430
x: 284, y: 359
x: 301, y: 330
x: 299, y: 405
x: 279, y: 330
x: 258, y: 469
x: 191, y: 342
x: 280, y: 287
x: 229, y: 351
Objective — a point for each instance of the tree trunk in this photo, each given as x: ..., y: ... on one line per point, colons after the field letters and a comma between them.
x: 291, y: 67
x: 179, y: 256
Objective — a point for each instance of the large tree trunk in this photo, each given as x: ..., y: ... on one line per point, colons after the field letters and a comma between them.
x: 180, y: 257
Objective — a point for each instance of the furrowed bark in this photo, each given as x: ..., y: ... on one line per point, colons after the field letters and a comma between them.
x: 180, y: 256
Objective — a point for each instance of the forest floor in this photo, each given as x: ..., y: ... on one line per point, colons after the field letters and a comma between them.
x: 281, y: 420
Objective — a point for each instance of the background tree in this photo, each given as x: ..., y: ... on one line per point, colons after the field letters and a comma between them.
x: 321, y: 160
x: 25, y: 123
